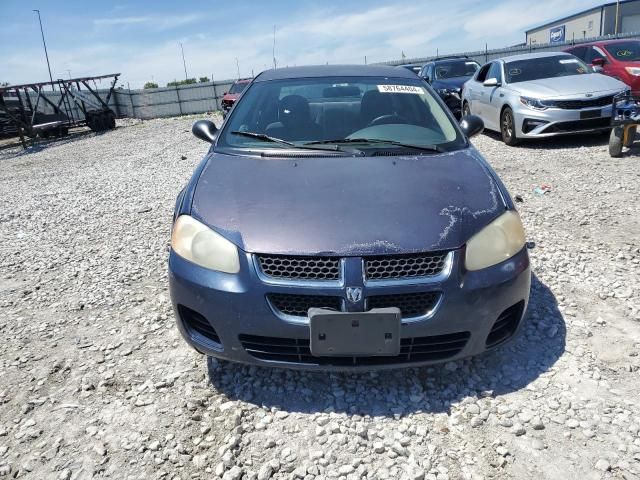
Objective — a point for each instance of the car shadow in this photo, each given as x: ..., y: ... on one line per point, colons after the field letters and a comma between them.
x: 432, y: 389
x: 562, y: 142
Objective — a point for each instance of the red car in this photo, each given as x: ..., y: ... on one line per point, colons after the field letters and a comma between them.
x: 233, y: 94
x: 617, y: 58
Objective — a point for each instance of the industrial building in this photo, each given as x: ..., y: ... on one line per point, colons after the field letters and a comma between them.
x: 607, y: 19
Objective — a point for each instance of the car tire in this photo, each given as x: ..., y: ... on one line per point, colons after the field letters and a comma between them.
x: 615, y: 141
x: 508, y: 127
x: 631, y: 136
x: 466, y: 110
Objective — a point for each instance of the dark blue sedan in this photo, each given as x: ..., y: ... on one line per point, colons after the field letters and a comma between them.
x: 342, y: 220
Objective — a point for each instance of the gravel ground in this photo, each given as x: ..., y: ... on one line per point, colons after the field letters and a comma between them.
x: 95, y: 380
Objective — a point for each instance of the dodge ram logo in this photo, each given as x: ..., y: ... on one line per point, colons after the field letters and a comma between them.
x: 354, y: 294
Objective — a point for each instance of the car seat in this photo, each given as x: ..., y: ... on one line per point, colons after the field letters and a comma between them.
x: 295, y: 121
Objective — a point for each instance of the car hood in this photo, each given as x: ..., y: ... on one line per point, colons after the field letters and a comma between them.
x: 453, y: 82
x: 347, y: 206
x: 572, y: 85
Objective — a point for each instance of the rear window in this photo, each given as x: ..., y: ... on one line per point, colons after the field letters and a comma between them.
x: 238, y: 87
x: 543, y: 67
x: 624, y: 51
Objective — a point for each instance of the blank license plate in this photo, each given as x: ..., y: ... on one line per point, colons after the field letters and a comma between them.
x: 372, y: 333
x: 591, y: 114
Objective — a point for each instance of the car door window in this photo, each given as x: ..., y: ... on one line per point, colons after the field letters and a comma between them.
x: 495, y: 71
x: 482, y: 73
x: 595, y: 52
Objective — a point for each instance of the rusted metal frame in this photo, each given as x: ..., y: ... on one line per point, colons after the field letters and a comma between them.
x: 104, y: 105
x: 44, y: 84
x: 27, y: 128
x: 66, y: 94
x: 19, y: 123
x: 82, y: 106
x: 113, y: 84
x: 35, y: 109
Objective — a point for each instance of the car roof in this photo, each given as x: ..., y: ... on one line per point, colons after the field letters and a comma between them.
x: 243, y: 80
x: 315, y: 71
x: 529, y: 56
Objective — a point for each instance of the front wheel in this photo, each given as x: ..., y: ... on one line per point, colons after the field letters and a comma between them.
x: 508, y: 127
x: 615, y: 141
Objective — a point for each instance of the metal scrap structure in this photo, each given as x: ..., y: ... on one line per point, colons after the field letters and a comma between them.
x: 22, y: 114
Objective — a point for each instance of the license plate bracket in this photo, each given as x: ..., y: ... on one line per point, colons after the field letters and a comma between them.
x: 591, y: 114
x: 354, y: 334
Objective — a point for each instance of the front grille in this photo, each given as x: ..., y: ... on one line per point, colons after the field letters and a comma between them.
x: 579, y: 104
x: 197, y: 323
x: 299, y: 305
x: 300, y: 268
x: 296, y: 350
x: 577, y: 125
x: 410, y: 304
x: 404, y: 266
x: 506, y: 325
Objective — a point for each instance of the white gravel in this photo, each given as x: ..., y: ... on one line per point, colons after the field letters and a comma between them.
x: 95, y: 380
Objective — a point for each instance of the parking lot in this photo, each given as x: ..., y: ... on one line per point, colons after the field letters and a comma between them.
x: 95, y: 380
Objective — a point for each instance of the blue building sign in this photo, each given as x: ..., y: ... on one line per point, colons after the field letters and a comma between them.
x: 556, y: 34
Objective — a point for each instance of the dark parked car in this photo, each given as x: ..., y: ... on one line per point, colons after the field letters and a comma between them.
x: 342, y: 219
x: 230, y: 97
x: 619, y: 59
x: 447, y: 75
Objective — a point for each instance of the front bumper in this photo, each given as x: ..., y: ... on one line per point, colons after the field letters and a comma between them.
x: 235, y: 306
x: 531, y: 123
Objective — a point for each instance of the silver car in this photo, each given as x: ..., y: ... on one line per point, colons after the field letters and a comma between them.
x: 540, y: 95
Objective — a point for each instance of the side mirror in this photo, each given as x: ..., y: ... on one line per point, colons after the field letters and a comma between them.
x: 597, y: 69
x: 471, y: 125
x: 205, y: 130
x: 598, y: 62
x: 491, y: 82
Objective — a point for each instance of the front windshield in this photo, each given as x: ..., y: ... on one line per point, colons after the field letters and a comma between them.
x: 624, y: 51
x: 544, y: 67
x: 238, y: 87
x: 457, y: 68
x: 342, y: 110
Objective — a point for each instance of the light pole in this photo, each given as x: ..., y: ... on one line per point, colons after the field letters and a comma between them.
x: 186, y: 77
x: 238, y: 67
x: 45, y: 49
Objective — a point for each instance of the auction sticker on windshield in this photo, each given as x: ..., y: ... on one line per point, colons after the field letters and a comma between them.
x: 400, y: 89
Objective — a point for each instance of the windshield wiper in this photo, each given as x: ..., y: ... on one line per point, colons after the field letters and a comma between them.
x: 267, y: 138
x: 425, y: 148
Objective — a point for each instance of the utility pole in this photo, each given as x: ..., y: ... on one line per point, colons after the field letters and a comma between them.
x: 45, y: 49
x: 69, y: 72
x: 238, y: 67
x: 617, y: 15
x: 186, y: 77
x: 273, y: 52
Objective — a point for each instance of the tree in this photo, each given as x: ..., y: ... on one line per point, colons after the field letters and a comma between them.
x: 6, y: 84
x: 186, y: 81
x: 150, y: 85
x: 204, y: 80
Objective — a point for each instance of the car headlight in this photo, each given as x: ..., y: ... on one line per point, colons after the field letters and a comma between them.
x: 532, y: 103
x: 635, y: 71
x: 197, y: 243
x: 495, y: 243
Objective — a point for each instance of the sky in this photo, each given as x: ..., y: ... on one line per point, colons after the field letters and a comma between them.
x: 141, y: 39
